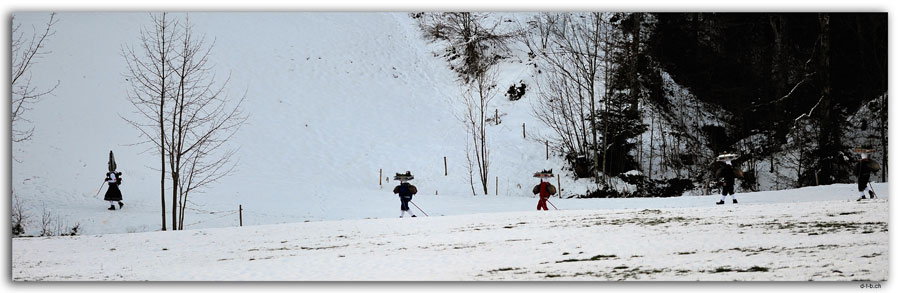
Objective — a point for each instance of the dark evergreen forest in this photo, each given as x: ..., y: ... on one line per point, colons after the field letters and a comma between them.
x: 768, y: 69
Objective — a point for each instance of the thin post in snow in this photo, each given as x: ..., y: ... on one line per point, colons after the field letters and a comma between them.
x: 445, y: 165
x: 379, y: 177
x: 496, y: 183
x: 241, y: 215
x: 547, y: 147
x: 559, y: 187
x: 523, y: 130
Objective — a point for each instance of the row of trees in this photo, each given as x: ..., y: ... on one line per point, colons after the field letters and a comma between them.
x: 767, y: 85
x: 590, y: 91
x: 184, y: 114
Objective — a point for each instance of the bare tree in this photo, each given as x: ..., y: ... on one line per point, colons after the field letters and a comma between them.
x: 476, y: 41
x: 152, y: 84
x: 185, y: 112
x: 26, y: 50
x: 46, y: 222
x: 799, y: 149
x: 477, y: 98
x: 470, y: 166
x: 201, y: 122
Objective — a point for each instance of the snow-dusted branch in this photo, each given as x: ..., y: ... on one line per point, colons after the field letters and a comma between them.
x: 811, y: 110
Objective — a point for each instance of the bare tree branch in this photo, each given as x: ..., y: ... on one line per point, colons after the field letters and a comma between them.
x: 25, y: 52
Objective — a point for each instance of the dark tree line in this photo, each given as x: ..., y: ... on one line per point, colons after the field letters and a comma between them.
x: 782, y: 75
x: 663, y: 93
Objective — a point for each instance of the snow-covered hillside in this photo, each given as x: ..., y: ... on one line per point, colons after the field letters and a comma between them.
x: 332, y: 97
x: 799, y: 235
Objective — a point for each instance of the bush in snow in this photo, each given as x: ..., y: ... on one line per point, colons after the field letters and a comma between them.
x: 515, y: 93
x: 645, y: 187
x: 19, y: 217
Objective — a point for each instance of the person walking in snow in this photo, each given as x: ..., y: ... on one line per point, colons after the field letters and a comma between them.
x: 864, y: 169
x: 544, y: 189
x: 406, y: 192
x: 113, y: 179
x: 113, y: 194
x: 728, y: 172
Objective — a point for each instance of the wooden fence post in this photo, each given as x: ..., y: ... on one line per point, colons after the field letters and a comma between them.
x: 445, y: 165
x: 547, y: 146
x: 496, y: 183
x: 559, y: 187
x: 241, y: 215
x: 379, y: 177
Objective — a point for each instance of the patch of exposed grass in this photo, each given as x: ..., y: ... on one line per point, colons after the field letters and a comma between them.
x: 512, y: 240
x: 871, y: 255
x: 722, y: 270
x: 645, y: 221
x: 463, y: 247
x: 593, y: 258
x: 752, y: 269
x: 602, y: 256
x: 755, y: 269
x: 823, y: 227
x: 503, y: 270
x: 850, y: 213
x: 752, y: 250
x: 549, y: 276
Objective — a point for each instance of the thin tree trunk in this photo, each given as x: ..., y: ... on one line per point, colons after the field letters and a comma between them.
x: 593, y: 66
x: 162, y: 130
x: 650, y: 170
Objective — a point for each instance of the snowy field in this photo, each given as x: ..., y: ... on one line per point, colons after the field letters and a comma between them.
x: 756, y: 240
x: 323, y: 116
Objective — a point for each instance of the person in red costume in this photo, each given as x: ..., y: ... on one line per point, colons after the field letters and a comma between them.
x: 544, y: 189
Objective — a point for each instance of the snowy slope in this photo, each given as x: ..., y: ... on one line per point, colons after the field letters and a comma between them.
x: 824, y: 239
x: 332, y: 98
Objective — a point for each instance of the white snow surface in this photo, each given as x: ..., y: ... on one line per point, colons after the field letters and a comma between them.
x: 769, y: 236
